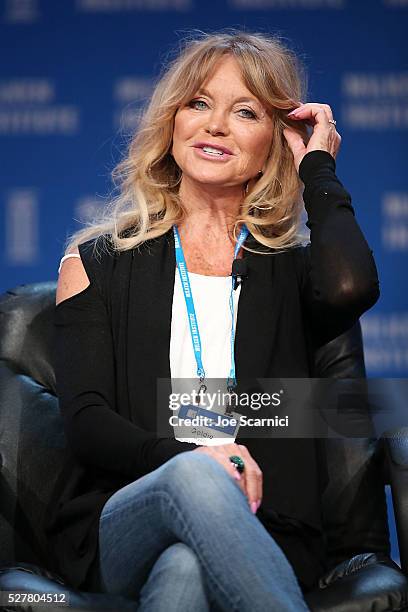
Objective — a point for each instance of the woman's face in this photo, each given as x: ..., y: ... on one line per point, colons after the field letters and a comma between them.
x: 222, y: 114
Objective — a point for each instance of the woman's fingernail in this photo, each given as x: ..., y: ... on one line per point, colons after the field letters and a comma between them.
x: 292, y: 112
x: 237, y: 476
x: 254, y: 507
x: 258, y: 503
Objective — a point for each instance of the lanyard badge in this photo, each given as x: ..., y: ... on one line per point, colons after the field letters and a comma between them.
x: 191, y: 314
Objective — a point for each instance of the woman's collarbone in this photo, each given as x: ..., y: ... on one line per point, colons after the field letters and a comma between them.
x: 199, y: 263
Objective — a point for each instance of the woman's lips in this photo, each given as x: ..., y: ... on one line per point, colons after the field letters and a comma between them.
x: 202, y: 144
x: 212, y: 156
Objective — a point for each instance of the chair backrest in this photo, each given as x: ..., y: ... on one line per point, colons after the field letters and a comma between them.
x: 354, y: 505
x: 32, y: 440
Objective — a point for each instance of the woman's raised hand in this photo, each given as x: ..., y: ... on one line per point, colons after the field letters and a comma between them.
x: 250, y: 481
x: 324, y: 136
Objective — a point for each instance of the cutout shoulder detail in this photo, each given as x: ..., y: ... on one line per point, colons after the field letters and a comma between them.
x: 66, y: 257
x: 71, y: 281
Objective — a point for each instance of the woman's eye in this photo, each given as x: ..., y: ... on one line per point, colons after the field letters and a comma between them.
x: 250, y: 115
x: 201, y: 105
x: 195, y: 103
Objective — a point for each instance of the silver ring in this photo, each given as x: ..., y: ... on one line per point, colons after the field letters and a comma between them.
x: 333, y: 122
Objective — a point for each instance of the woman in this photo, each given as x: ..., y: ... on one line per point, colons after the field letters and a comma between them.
x: 223, y: 146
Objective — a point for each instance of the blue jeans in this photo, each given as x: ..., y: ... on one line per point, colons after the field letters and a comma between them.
x: 184, y: 538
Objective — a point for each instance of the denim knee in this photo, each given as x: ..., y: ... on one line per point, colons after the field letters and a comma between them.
x: 189, y: 466
x: 181, y: 563
x: 175, y: 583
x: 191, y: 472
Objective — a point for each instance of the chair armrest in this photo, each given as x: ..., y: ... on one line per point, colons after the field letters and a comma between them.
x: 364, y: 583
x: 396, y: 445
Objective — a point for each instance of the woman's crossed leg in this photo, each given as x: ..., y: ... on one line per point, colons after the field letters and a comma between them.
x: 192, y: 500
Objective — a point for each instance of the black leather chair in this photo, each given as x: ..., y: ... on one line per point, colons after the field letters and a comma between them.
x: 362, y: 576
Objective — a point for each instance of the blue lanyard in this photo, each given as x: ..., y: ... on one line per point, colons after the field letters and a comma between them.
x: 192, y: 319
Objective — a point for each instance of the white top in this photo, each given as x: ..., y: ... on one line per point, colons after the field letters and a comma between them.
x: 211, y: 302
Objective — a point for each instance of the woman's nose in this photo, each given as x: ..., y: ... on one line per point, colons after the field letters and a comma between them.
x: 217, y: 124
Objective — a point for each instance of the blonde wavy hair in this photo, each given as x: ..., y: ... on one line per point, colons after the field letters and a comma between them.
x: 148, y: 178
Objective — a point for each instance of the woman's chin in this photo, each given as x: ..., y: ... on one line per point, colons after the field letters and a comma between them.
x: 213, y: 181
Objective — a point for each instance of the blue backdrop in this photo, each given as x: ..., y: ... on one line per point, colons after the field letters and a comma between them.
x: 75, y: 72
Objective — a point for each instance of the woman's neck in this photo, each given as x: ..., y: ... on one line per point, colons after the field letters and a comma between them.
x: 207, y: 230
x: 210, y: 213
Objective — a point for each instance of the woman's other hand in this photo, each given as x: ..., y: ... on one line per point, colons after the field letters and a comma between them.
x: 250, y: 481
x: 324, y: 136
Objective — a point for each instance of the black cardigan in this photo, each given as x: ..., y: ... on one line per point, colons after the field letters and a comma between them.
x: 112, y: 341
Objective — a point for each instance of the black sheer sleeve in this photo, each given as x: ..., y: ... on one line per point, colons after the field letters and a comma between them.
x: 85, y: 375
x: 339, y: 278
